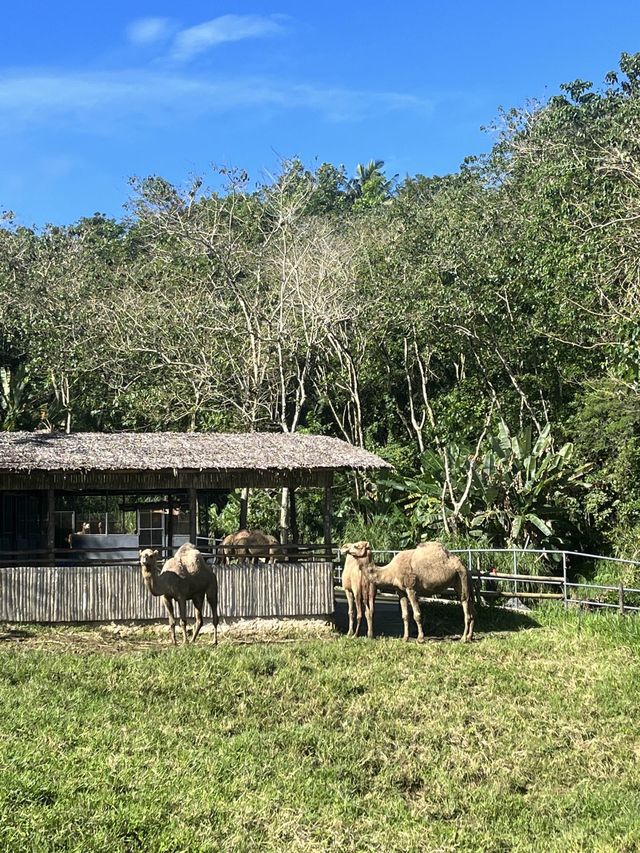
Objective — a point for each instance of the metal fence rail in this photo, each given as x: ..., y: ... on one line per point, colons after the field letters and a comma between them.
x: 519, y: 584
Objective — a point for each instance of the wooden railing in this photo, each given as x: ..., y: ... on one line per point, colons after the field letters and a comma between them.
x: 126, y: 555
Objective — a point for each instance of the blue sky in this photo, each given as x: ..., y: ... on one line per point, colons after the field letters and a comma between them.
x: 92, y: 93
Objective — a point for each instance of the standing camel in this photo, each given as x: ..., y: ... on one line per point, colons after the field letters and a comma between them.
x: 357, y: 585
x: 203, y: 581
x: 185, y: 577
x: 426, y: 570
x: 249, y: 545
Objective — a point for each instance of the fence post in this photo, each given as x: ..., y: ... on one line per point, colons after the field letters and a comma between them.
x: 621, y: 598
x: 564, y: 579
x: 515, y: 572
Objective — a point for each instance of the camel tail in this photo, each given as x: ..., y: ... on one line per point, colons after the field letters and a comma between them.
x: 467, y: 599
x: 467, y: 590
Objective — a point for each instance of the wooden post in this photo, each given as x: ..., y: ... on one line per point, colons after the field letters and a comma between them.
x: 293, y: 516
x: 621, y: 598
x: 170, y: 525
x: 244, y: 508
x: 327, y: 519
x: 193, y: 517
x: 284, y: 516
x: 51, y: 525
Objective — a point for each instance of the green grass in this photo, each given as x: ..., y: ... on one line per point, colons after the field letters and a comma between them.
x: 525, y: 740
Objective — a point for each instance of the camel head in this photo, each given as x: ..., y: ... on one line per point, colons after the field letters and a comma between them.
x: 357, y: 549
x: 148, y: 559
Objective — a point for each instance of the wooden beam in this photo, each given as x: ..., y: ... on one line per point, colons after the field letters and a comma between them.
x: 244, y: 507
x: 193, y: 516
x: 327, y: 518
x: 51, y: 524
x: 293, y: 516
x: 284, y: 516
x: 170, y: 525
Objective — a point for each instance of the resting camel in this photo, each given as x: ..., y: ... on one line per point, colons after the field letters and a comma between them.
x: 426, y: 570
x: 357, y: 585
x: 248, y: 544
x: 184, y: 577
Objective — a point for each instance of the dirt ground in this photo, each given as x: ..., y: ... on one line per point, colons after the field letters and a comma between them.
x: 442, y: 622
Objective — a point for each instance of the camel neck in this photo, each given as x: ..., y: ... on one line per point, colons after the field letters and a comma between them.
x: 150, y: 579
x: 385, y: 573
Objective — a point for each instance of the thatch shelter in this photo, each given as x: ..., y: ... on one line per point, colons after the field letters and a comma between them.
x: 161, y: 482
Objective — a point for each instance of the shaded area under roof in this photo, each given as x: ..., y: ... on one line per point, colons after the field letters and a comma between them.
x: 179, y: 459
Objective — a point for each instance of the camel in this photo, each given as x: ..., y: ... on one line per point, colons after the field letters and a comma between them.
x: 426, y: 570
x: 357, y: 585
x: 248, y: 544
x: 276, y: 550
x: 184, y: 577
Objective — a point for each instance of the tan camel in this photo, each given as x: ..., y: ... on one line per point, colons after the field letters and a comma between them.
x: 185, y: 577
x: 276, y: 550
x: 426, y: 570
x: 248, y: 544
x: 357, y: 585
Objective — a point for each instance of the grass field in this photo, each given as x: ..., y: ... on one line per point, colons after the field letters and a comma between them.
x: 528, y: 739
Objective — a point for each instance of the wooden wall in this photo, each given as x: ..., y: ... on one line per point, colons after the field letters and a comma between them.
x: 104, y: 593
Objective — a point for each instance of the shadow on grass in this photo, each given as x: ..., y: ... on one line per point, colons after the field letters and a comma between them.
x: 12, y: 634
x: 441, y: 620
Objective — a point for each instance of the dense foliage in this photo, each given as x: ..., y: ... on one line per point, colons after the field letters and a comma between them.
x: 481, y: 329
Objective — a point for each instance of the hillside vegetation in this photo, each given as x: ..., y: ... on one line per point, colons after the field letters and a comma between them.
x: 480, y: 329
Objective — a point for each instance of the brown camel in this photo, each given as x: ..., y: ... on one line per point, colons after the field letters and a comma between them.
x: 426, y: 570
x: 185, y: 577
x: 248, y: 544
x: 357, y: 585
x: 276, y: 550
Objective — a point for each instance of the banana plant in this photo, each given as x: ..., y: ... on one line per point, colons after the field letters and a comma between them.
x: 517, y: 496
x: 528, y: 482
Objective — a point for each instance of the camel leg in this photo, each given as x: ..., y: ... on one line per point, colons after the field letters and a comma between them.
x: 369, y: 607
x: 182, y: 607
x: 212, y: 598
x: 467, y: 608
x: 168, y: 603
x: 198, y: 601
x: 417, y: 616
x: 404, y: 607
x: 349, y: 595
x: 358, y: 601
x: 469, y: 621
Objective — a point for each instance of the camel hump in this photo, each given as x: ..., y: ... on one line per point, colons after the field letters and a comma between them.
x: 185, y: 548
x: 251, y: 537
x: 433, y: 561
x: 433, y: 549
x: 189, y: 560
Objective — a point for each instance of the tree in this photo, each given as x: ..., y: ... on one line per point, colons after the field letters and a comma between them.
x: 369, y: 187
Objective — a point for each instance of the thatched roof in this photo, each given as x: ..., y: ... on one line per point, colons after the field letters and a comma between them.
x: 217, y: 453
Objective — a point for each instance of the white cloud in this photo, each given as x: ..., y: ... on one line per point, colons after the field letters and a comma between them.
x: 194, y: 40
x: 109, y: 102
x: 149, y: 30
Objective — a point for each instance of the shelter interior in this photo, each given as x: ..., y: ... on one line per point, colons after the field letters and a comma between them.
x: 80, y: 496
x: 111, y: 526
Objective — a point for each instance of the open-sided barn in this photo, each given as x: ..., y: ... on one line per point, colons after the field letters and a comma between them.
x: 75, y: 509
